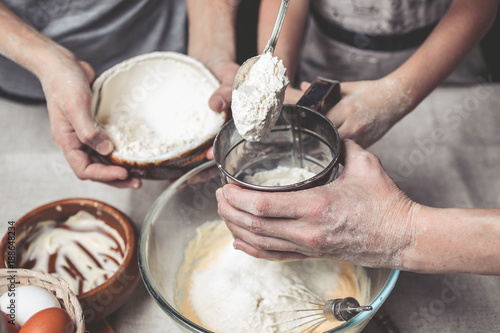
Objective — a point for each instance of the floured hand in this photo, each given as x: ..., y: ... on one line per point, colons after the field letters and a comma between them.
x: 225, y: 71
x: 362, y: 217
x: 66, y: 84
x: 368, y: 109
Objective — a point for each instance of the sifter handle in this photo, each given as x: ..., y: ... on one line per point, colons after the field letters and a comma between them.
x: 321, y: 95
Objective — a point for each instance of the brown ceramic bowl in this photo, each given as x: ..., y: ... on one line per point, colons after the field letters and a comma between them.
x: 157, y: 96
x: 106, y: 298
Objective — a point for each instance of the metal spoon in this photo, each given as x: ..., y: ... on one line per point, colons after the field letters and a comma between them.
x: 271, y: 44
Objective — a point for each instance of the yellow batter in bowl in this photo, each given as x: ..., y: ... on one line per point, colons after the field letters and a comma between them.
x: 228, y: 291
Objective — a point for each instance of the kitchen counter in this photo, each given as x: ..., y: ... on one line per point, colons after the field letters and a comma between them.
x: 444, y: 154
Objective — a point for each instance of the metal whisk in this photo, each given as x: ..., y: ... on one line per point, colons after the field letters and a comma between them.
x: 338, y: 309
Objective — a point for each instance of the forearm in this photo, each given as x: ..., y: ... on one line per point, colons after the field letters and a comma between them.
x: 22, y: 44
x: 455, y: 240
x: 462, y: 27
x: 292, y: 32
x: 212, y: 34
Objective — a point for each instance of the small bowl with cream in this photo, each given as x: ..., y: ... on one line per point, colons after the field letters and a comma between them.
x: 89, y: 244
x: 154, y: 107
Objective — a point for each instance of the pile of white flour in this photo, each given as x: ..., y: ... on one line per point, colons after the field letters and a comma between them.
x: 257, y: 102
x: 232, y: 292
x: 157, y: 109
x: 171, y: 130
x: 279, y: 176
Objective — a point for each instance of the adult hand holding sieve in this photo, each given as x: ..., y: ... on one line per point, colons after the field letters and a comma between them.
x: 362, y: 217
x: 345, y: 219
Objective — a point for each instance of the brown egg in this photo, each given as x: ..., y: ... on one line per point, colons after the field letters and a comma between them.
x: 51, y: 320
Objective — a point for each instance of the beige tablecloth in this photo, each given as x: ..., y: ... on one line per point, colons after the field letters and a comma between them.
x: 445, y: 154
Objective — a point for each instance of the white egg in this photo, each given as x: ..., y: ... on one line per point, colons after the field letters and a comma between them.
x: 22, y: 302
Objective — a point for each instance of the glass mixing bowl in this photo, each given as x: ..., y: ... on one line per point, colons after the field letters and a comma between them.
x: 170, y: 225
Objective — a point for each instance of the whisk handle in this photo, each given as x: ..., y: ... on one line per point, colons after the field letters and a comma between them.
x: 343, y: 309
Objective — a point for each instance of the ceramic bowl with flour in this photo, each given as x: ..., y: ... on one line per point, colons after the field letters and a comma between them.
x: 155, y: 109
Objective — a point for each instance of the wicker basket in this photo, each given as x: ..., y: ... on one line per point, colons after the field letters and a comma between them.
x: 57, y: 286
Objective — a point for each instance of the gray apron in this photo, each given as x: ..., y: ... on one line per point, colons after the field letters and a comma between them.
x: 351, y: 40
x: 102, y: 33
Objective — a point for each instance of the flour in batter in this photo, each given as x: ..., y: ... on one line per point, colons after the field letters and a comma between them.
x: 228, y: 291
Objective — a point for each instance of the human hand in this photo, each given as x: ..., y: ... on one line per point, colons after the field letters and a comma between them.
x: 368, y: 109
x: 361, y: 217
x: 225, y: 71
x: 293, y: 95
x: 66, y: 84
